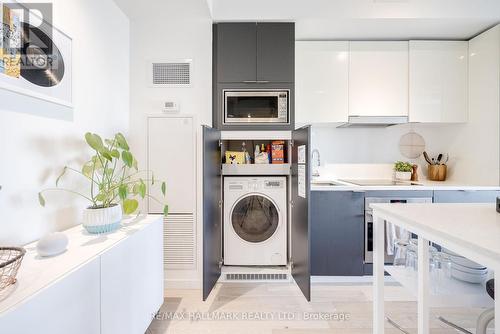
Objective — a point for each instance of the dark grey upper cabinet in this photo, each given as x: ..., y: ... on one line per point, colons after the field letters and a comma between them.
x: 254, y: 53
x: 337, y: 233
x: 236, y: 52
x: 276, y: 52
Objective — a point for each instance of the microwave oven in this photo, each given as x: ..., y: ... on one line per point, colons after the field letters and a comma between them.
x: 256, y: 106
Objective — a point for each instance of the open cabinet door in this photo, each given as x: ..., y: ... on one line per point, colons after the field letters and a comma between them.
x: 212, y: 218
x: 300, y: 228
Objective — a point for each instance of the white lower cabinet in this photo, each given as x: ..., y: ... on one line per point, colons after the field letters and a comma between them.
x: 103, y: 284
x: 321, y: 81
x: 438, y: 81
x: 71, y: 305
x: 131, y: 292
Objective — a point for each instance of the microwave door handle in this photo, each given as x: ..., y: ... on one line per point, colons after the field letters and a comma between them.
x: 250, y: 81
x: 262, y: 81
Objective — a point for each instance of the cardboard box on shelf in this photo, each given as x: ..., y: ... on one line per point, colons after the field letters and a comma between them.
x: 278, y: 152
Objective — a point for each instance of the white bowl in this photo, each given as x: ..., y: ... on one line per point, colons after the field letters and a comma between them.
x: 462, y: 261
x: 482, y: 271
x: 466, y: 277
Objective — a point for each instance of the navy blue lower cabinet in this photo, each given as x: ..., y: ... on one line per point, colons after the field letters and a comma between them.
x: 337, y: 233
x: 465, y: 196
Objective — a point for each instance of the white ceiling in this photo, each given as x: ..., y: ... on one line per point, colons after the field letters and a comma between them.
x: 367, y: 19
x: 337, y: 19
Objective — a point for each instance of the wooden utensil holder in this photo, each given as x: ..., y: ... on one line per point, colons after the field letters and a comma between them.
x: 437, y: 172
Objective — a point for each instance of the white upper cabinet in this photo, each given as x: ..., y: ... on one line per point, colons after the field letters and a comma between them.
x: 321, y: 77
x: 438, y: 81
x: 378, y: 78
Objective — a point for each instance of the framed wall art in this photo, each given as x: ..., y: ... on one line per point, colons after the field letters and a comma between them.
x: 35, y: 57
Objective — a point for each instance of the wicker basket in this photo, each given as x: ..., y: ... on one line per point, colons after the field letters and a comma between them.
x: 10, y: 260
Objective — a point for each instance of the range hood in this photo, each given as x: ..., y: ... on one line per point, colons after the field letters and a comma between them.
x: 374, y: 121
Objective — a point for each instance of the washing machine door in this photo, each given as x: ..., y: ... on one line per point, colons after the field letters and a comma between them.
x: 255, y: 218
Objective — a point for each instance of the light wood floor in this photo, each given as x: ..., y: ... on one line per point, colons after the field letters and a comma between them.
x: 280, y: 308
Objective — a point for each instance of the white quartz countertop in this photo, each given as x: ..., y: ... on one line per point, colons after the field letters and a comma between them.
x: 322, y: 185
x: 468, y: 226
x: 36, y: 272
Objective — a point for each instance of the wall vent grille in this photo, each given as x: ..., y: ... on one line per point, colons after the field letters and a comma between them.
x: 179, y: 242
x: 256, y: 277
x: 171, y: 74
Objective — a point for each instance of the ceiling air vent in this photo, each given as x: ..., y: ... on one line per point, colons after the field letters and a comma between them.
x: 171, y: 74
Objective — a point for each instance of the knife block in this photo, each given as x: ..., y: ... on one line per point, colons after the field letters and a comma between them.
x: 437, y: 172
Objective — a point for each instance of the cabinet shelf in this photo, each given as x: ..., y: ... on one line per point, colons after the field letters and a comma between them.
x: 256, y: 169
x: 451, y: 294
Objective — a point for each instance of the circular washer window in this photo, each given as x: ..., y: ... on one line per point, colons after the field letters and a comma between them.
x: 255, y: 218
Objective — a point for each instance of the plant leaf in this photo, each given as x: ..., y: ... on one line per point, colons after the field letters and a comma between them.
x: 61, y: 175
x: 106, y: 154
x: 135, y: 164
x: 127, y: 158
x: 163, y: 188
x: 41, y: 200
x: 109, y: 172
x: 115, y: 154
x: 142, y: 189
x: 165, y: 210
x: 135, y: 189
x: 109, y: 142
x: 130, y: 205
x: 94, y: 141
x: 100, y: 197
x: 87, y: 169
x: 122, y: 142
x: 123, y: 191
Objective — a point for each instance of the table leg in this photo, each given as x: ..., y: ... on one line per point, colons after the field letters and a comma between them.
x: 378, y: 274
x: 423, y: 286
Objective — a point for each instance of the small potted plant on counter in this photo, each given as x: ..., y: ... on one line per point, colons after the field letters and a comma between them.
x: 115, y: 183
x: 403, y: 170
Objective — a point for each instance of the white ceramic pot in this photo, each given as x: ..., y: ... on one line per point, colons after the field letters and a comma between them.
x: 102, y: 220
x: 403, y: 176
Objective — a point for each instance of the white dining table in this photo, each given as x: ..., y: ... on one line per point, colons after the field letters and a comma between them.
x: 471, y: 230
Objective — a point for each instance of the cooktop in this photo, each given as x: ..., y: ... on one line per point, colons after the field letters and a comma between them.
x: 381, y: 182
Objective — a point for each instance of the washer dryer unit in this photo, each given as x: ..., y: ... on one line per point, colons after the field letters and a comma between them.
x: 255, y: 221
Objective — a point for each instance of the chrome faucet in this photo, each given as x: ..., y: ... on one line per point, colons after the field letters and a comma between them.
x: 315, y: 170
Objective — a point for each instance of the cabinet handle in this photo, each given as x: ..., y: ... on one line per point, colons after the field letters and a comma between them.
x: 256, y: 81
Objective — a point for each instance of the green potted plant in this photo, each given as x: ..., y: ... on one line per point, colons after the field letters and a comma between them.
x: 402, y: 170
x: 115, y: 183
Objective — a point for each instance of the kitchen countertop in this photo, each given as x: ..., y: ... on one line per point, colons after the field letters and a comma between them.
x: 423, y: 185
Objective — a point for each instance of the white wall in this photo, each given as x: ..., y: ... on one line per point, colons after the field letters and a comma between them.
x: 37, y: 139
x: 171, y: 30
x: 470, y: 147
